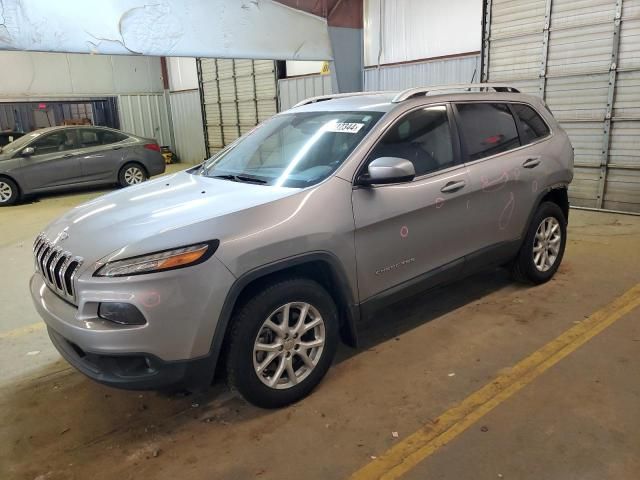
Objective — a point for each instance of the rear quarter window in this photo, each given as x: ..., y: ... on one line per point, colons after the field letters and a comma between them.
x: 532, y: 126
x: 486, y: 129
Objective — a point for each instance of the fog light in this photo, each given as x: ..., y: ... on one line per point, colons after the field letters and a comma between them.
x: 121, y: 313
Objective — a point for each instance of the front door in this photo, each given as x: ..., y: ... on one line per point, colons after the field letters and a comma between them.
x: 54, y: 162
x: 406, y: 233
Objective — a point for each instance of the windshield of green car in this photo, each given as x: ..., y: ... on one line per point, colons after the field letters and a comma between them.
x: 292, y: 149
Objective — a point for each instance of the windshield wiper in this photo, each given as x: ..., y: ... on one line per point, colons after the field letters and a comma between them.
x: 225, y: 177
x: 244, y: 178
x: 240, y: 178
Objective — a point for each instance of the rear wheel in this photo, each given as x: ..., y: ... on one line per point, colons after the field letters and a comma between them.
x: 9, y: 192
x: 132, y: 174
x: 282, y: 343
x: 543, y: 246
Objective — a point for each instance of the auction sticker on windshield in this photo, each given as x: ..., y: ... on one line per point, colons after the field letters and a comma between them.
x: 344, y: 127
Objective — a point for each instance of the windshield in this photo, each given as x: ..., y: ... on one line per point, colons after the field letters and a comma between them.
x: 20, y: 142
x: 292, y: 150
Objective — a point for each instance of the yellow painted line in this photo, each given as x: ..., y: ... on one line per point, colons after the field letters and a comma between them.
x: 408, y: 453
x: 18, y: 332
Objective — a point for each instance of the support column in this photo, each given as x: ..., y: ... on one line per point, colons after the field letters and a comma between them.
x: 486, y: 41
x: 606, y: 139
x: 346, y: 37
x: 545, y: 49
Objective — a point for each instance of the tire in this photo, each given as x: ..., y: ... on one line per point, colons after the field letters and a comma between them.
x: 132, y: 173
x: 529, y: 267
x: 243, y: 359
x: 9, y: 192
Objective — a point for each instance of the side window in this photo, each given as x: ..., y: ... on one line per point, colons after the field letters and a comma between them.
x: 54, y: 142
x: 108, y: 137
x: 88, y: 138
x: 486, y: 129
x: 423, y: 137
x: 532, y: 126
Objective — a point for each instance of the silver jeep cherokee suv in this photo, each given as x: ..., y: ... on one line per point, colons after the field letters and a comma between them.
x: 271, y: 251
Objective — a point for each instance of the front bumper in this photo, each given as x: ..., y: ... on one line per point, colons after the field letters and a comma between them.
x: 181, y: 309
x: 134, y: 371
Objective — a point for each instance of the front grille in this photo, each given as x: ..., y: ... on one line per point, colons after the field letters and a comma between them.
x: 57, y: 266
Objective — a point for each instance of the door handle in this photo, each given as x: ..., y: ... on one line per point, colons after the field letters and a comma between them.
x: 116, y: 148
x: 67, y: 155
x: 532, y: 162
x: 453, y: 186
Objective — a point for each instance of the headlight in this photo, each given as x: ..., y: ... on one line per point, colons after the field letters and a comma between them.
x: 159, y: 261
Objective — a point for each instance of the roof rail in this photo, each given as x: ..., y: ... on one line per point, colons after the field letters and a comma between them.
x: 322, y: 98
x: 415, y: 92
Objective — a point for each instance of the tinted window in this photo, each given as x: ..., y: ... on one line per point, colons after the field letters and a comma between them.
x: 54, y: 142
x: 89, y: 138
x: 423, y: 137
x: 532, y: 126
x: 94, y: 137
x: 111, y: 137
x: 486, y: 129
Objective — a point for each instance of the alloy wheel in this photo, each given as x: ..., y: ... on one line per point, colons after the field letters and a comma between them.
x: 289, y: 345
x: 5, y: 192
x: 133, y: 176
x: 546, y: 244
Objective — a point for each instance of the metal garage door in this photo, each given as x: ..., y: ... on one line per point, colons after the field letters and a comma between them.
x: 236, y: 96
x: 583, y: 58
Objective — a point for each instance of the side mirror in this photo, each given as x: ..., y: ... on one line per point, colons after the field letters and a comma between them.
x: 388, y: 170
x: 27, y: 152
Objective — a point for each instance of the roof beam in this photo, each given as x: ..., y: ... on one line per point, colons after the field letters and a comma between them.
x: 196, y: 28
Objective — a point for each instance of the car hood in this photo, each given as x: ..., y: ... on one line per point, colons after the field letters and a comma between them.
x: 171, y: 211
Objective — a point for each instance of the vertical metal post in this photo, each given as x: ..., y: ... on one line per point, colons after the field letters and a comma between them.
x: 219, y: 103
x: 255, y: 87
x: 203, y: 108
x: 235, y: 89
x: 606, y: 139
x: 486, y: 41
x: 545, y: 49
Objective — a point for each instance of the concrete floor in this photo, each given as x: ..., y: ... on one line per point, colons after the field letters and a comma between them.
x: 579, y: 419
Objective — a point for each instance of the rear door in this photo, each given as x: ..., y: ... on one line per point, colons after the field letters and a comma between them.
x: 503, y: 173
x: 102, y: 153
x: 55, y: 161
x: 405, y: 232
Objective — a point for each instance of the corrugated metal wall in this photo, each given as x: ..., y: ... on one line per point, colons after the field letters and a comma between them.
x: 296, y: 89
x: 432, y: 72
x: 236, y: 96
x: 186, y: 115
x: 145, y: 115
x: 583, y: 58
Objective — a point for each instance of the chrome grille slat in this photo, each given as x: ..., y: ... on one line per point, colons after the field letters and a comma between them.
x: 42, y: 253
x: 73, y: 278
x: 45, y: 261
x: 57, y: 266
x: 63, y: 270
x: 53, y: 260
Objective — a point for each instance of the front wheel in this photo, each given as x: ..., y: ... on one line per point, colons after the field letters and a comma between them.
x: 543, y: 247
x: 132, y: 174
x: 282, y: 342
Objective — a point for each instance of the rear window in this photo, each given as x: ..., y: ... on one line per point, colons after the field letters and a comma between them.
x: 532, y: 126
x: 111, y: 137
x: 486, y: 129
